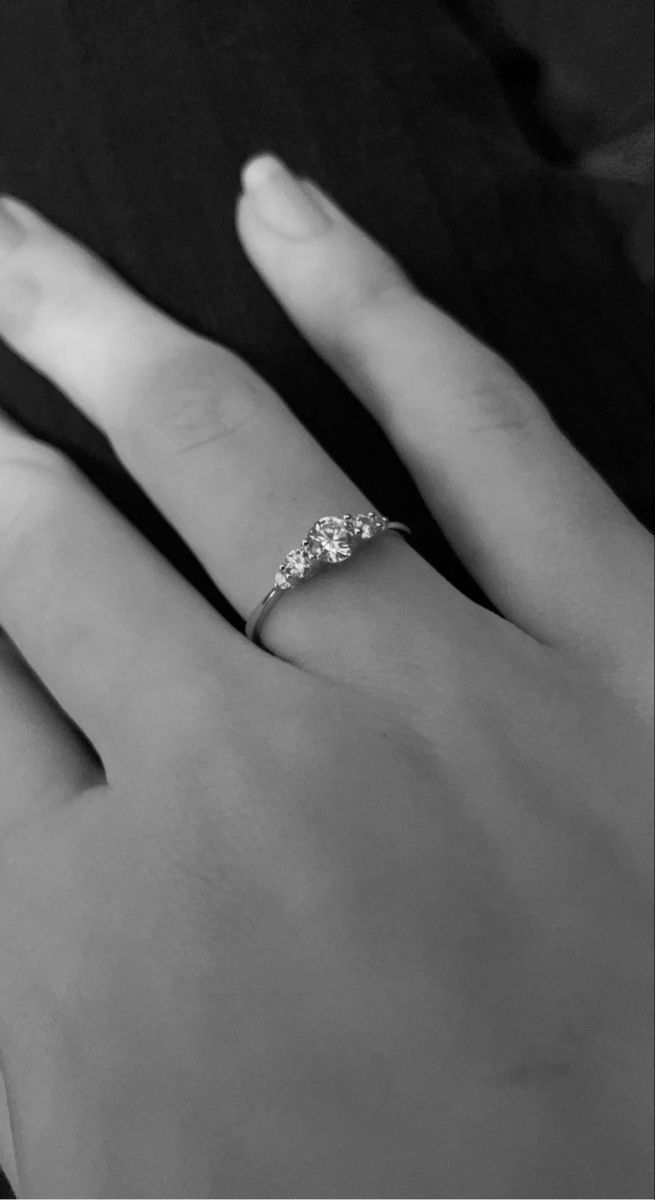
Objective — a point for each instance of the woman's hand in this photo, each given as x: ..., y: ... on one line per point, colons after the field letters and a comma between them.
x: 367, y: 915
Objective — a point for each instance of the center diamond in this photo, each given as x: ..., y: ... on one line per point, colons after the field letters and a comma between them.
x: 331, y: 539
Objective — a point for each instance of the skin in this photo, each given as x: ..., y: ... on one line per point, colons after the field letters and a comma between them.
x: 367, y: 914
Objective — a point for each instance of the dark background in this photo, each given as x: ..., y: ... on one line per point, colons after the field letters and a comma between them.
x: 502, y: 153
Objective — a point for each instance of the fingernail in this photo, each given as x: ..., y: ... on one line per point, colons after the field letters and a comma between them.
x: 11, y: 232
x: 281, y: 200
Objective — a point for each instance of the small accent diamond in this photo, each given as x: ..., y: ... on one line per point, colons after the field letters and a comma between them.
x: 298, y: 564
x: 366, y: 525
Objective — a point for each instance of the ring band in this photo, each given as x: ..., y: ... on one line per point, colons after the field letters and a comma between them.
x: 330, y: 541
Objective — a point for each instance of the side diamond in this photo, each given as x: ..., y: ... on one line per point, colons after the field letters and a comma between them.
x: 366, y: 525
x: 298, y: 564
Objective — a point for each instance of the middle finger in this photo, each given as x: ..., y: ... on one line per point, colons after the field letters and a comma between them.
x: 219, y: 452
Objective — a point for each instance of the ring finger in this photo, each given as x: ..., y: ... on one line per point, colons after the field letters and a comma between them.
x: 216, y: 448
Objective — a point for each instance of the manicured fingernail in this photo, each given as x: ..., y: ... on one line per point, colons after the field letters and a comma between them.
x: 11, y: 231
x: 281, y: 200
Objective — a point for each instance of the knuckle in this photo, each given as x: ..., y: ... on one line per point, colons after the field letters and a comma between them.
x: 498, y: 401
x: 31, y: 466
x: 19, y: 297
x: 33, y: 477
x: 194, y: 395
x: 43, y: 464
x: 48, y: 277
x: 385, y: 307
x: 384, y: 284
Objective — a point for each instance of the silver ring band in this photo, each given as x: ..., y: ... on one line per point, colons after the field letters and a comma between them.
x: 330, y: 541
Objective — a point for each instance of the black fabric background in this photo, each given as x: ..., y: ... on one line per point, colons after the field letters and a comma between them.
x: 127, y: 123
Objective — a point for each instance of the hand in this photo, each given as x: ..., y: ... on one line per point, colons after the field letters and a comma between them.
x: 367, y: 915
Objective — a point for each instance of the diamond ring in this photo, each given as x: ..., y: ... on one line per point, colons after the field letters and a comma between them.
x: 330, y: 540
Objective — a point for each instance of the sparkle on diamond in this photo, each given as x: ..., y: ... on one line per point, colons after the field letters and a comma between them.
x: 331, y: 539
x: 297, y: 565
x: 367, y: 525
